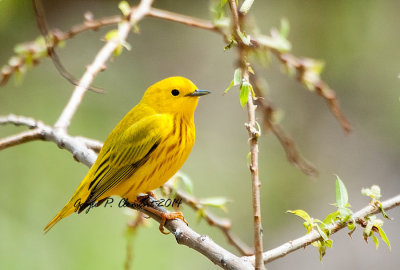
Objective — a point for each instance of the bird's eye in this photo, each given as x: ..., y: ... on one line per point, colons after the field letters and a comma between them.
x: 175, y: 92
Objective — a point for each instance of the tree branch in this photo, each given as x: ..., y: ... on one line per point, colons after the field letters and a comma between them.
x: 313, y: 236
x: 184, y: 19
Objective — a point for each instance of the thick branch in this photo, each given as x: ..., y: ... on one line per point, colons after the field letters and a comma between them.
x: 313, y: 236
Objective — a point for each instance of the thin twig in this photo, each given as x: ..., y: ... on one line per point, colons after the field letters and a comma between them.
x: 253, y: 139
x: 184, y: 19
x: 322, y: 89
x: 313, y: 236
x: 99, y: 62
x: 20, y: 138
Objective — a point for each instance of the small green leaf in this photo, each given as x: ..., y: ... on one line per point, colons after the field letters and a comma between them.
x: 218, y: 202
x: 237, y: 76
x: 187, y: 182
x: 374, y: 192
x: 229, y: 87
x: 245, y: 38
x: 382, y: 210
x: 384, y: 237
x: 329, y: 243
x: 231, y: 43
x: 113, y: 34
x: 244, y: 93
x: 375, y: 240
x: 300, y: 213
x: 250, y: 69
x: 322, y: 233
x: 124, y: 7
x: 200, y: 213
x: 342, y: 198
x: 351, y: 226
x: 246, y: 6
x: 285, y: 27
x: 331, y: 218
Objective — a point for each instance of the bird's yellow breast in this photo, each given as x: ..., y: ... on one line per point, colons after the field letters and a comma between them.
x: 163, y: 162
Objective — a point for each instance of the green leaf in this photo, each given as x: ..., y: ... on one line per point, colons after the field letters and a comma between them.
x: 246, y: 6
x: 382, y: 210
x: 250, y: 69
x: 112, y: 34
x: 331, y: 218
x: 285, y: 27
x: 342, y: 198
x: 187, y: 182
x: 244, y: 93
x: 229, y: 87
x: 218, y: 202
x: 124, y: 7
x: 200, y: 213
x: 300, y: 213
x: 245, y: 38
x: 231, y: 43
x: 374, y: 192
x: 237, y: 76
x: 351, y: 226
x: 322, y: 233
x: 375, y: 240
x: 384, y: 237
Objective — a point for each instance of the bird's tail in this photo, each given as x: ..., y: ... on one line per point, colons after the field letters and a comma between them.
x: 66, y: 211
x: 71, y: 207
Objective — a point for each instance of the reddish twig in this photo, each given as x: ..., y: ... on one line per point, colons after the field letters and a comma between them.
x: 253, y: 139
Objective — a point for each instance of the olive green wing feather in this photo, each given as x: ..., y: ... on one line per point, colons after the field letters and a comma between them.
x: 122, y: 155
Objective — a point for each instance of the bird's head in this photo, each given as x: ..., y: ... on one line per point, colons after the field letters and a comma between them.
x: 173, y: 95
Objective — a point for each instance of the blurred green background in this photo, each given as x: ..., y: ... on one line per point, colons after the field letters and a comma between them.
x: 357, y: 39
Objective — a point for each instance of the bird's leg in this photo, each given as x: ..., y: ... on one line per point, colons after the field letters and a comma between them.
x: 165, y: 216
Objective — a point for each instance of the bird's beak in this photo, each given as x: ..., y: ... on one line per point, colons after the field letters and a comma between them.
x: 198, y: 93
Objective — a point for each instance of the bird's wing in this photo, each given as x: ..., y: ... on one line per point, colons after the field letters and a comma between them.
x: 124, y: 154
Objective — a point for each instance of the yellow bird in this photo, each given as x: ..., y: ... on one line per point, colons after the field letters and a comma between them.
x: 146, y: 148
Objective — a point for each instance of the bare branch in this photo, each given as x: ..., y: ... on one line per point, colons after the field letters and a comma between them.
x: 20, y: 138
x: 99, y: 63
x: 313, y: 236
x: 320, y: 86
x: 184, y: 19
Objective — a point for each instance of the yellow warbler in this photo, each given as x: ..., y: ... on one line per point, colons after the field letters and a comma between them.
x: 144, y: 150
